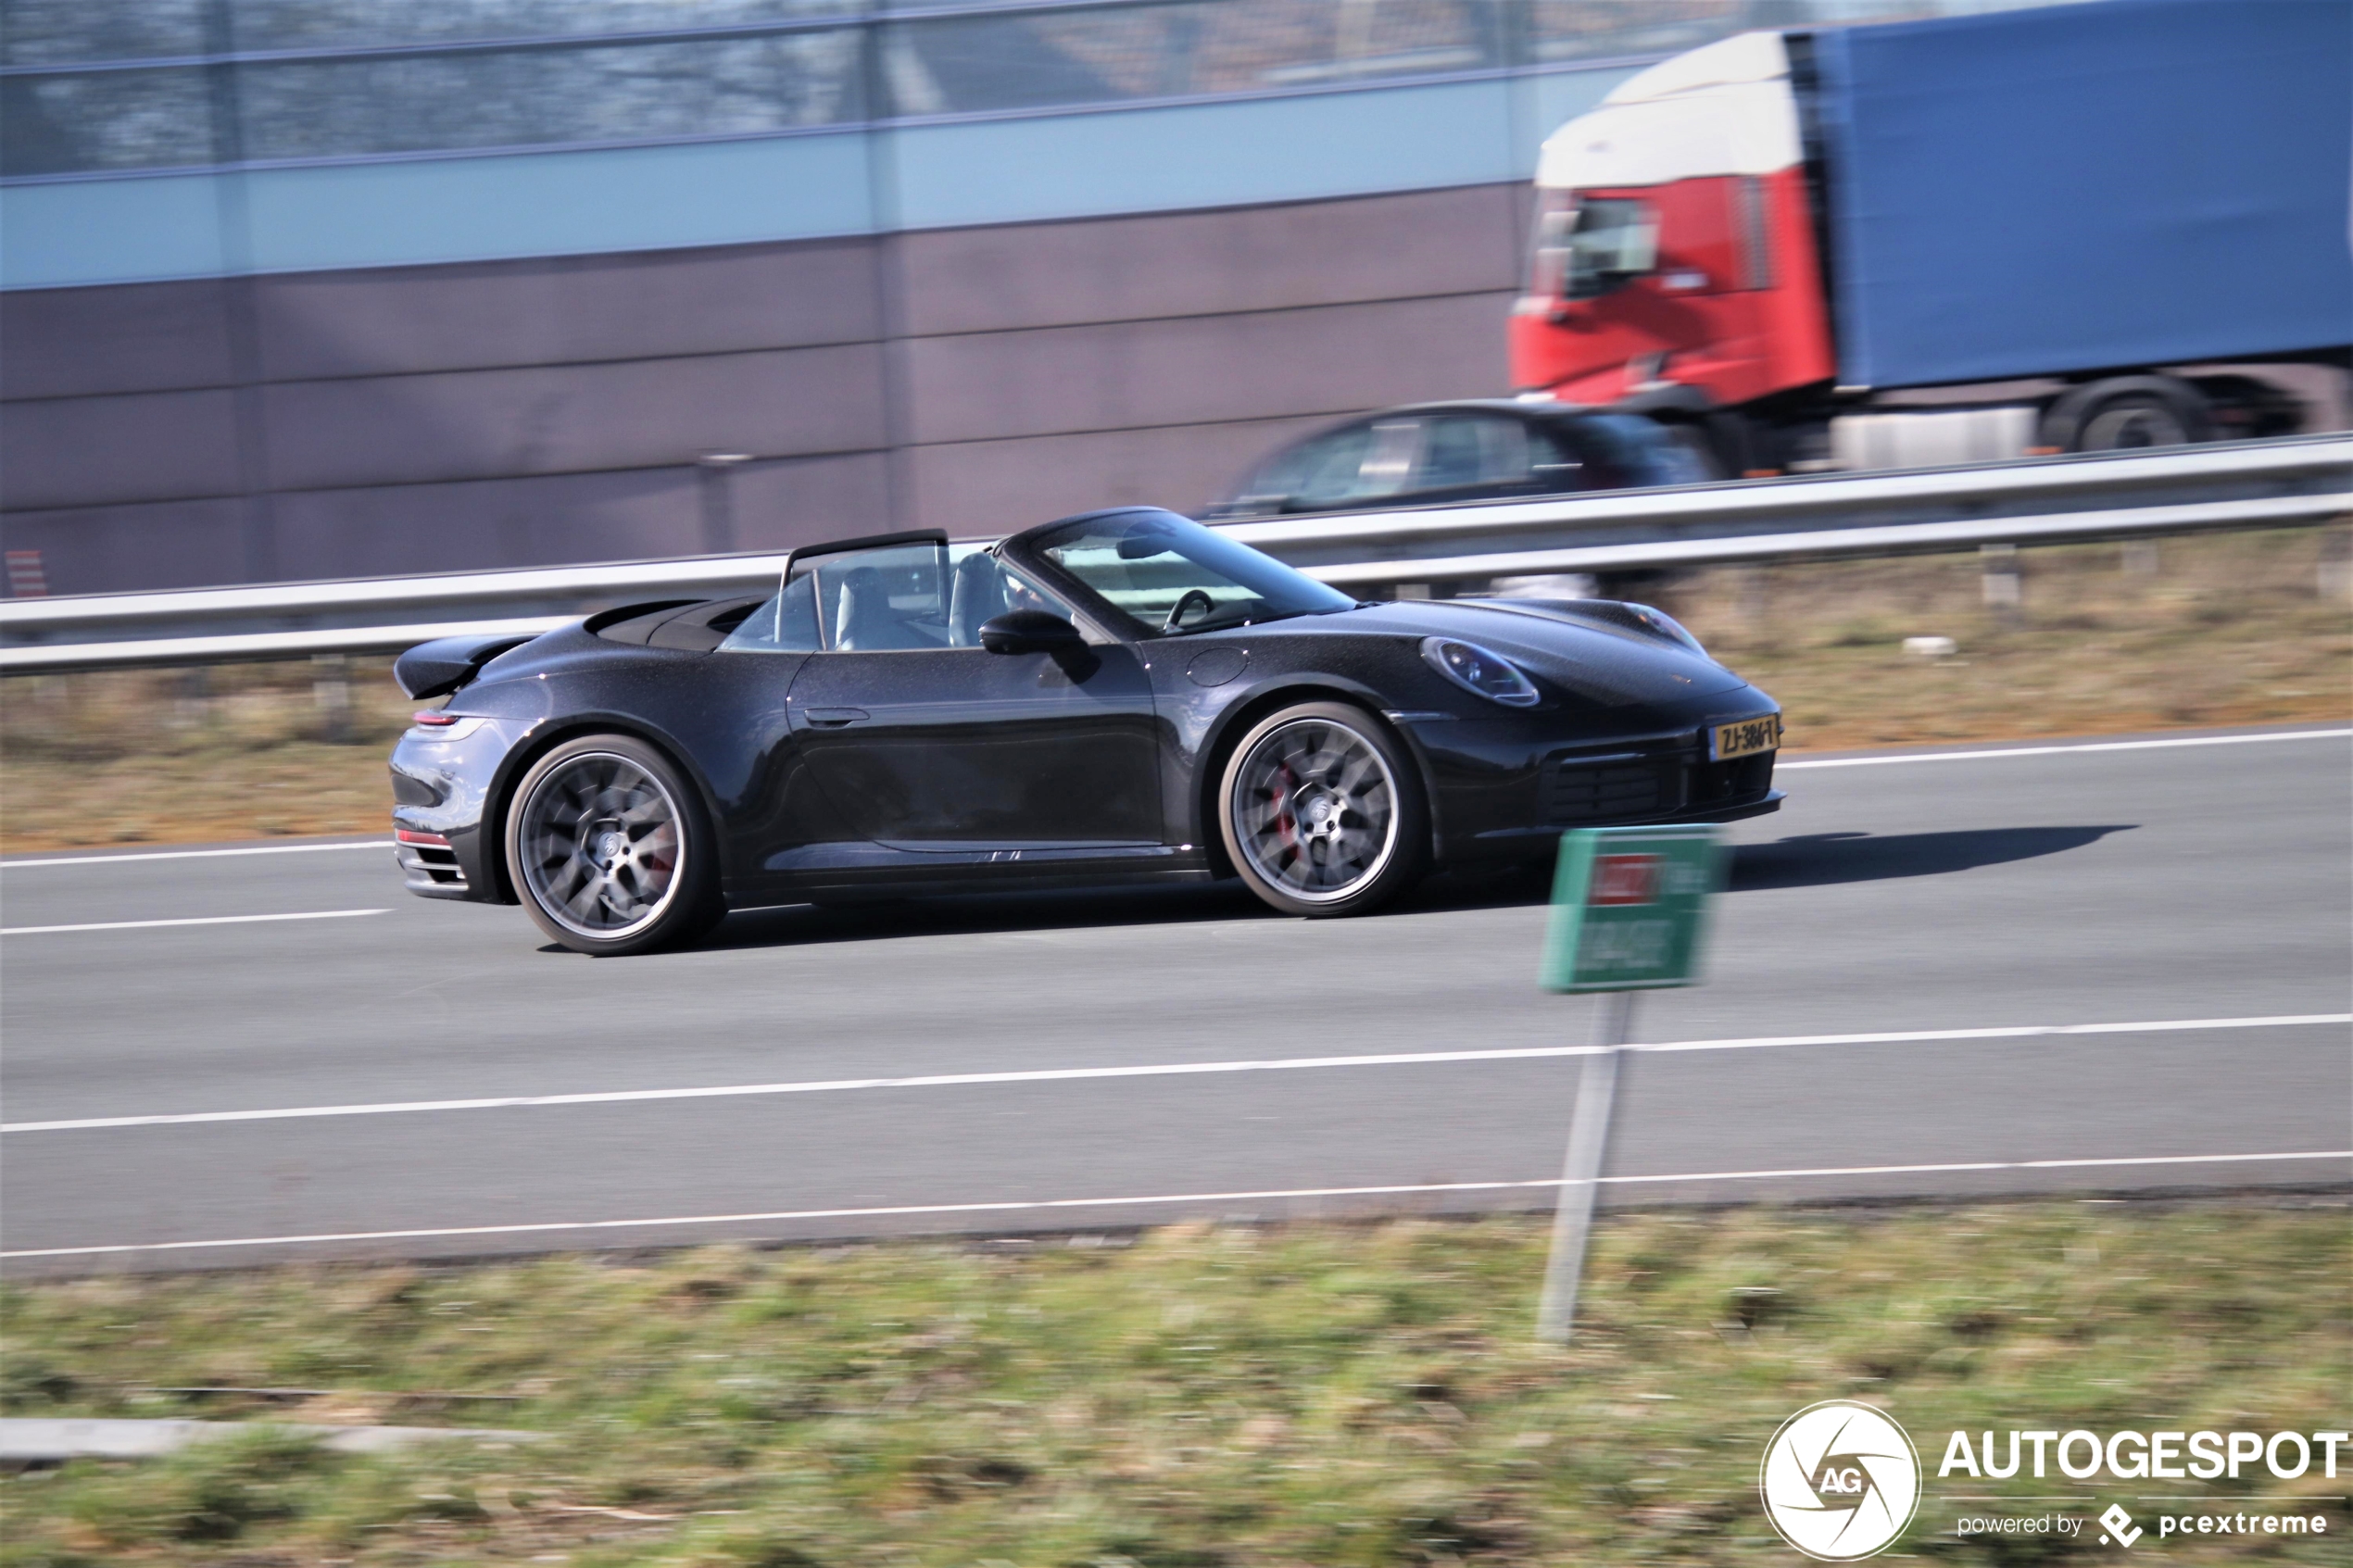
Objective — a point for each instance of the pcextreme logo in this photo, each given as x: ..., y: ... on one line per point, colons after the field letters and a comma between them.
x: 1839, y: 1481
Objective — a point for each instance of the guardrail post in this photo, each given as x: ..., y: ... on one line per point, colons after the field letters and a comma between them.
x: 331, y: 694
x: 2337, y: 563
x: 2003, y: 594
x: 1750, y: 601
x: 194, y: 705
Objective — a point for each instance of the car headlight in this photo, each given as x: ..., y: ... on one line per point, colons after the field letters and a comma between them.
x: 1475, y: 669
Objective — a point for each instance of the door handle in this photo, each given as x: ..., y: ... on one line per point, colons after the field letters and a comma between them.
x: 834, y: 718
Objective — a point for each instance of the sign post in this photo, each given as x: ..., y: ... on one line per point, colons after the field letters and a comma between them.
x: 1629, y: 913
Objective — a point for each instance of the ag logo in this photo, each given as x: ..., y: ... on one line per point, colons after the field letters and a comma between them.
x: 1839, y: 1481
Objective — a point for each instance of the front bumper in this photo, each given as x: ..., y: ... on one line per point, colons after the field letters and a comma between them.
x: 1507, y: 789
x: 1770, y: 804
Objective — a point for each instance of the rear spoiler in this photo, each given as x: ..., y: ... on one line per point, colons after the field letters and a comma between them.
x: 441, y: 666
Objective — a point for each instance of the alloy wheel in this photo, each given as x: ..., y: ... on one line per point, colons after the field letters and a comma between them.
x: 599, y: 845
x: 1315, y: 812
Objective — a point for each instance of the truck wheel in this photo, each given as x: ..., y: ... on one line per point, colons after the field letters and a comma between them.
x: 2126, y: 413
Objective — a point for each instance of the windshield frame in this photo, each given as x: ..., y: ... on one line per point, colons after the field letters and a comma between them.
x: 1029, y: 549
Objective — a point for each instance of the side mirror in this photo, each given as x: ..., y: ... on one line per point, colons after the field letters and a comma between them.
x: 1029, y: 631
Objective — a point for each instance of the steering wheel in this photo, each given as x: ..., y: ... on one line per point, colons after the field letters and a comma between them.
x: 1185, y: 602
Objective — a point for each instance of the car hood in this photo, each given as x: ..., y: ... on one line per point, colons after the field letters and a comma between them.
x: 1597, y: 660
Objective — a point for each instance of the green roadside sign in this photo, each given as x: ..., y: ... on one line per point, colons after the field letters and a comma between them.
x: 1629, y: 908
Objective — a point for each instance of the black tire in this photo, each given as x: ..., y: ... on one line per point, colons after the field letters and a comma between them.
x: 2128, y: 423
x: 1346, y: 837
x: 2128, y: 413
x: 609, y: 851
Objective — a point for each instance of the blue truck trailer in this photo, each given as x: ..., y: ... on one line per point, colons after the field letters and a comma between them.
x: 2079, y: 226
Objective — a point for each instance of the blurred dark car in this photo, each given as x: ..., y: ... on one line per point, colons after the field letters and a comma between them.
x: 1432, y: 454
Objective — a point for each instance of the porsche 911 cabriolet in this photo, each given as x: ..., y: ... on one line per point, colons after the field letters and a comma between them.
x: 1122, y: 695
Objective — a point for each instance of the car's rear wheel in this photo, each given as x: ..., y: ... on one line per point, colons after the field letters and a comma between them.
x: 1322, y: 811
x: 610, y: 849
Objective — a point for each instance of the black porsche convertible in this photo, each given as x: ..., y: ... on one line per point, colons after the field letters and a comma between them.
x: 1123, y: 694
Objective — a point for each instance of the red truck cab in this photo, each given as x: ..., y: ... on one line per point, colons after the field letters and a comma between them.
x: 1674, y: 243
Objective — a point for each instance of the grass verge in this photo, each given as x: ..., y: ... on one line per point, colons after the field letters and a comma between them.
x: 1193, y: 1397
x: 2225, y: 629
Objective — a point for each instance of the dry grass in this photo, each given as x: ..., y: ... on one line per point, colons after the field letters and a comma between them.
x: 192, y: 755
x: 1194, y: 1397
x: 2229, y: 629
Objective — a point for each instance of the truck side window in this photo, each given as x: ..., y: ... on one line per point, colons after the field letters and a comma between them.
x: 1615, y: 241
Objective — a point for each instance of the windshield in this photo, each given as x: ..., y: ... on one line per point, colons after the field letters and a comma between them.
x: 1169, y: 575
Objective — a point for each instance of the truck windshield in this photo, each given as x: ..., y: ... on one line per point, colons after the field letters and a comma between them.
x: 1615, y: 240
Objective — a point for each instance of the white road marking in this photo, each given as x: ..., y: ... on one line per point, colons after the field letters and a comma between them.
x: 1164, y: 1070
x: 200, y: 919
x: 2052, y: 750
x: 1038, y: 1205
x: 19, y: 865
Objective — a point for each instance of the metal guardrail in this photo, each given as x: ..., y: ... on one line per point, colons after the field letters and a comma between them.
x: 1709, y: 518
x: 2246, y: 484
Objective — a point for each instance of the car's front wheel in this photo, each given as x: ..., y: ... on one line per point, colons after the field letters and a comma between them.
x: 1322, y: 811
x: 610, y: 849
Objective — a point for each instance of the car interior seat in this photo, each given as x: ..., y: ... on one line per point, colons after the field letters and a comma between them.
x: 863, y: 619
x: 976, y: 594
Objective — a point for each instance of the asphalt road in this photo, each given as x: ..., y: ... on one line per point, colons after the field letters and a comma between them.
x: 2103, y: 968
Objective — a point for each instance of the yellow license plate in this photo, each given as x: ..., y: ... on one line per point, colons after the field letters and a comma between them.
x: 1746, y: 737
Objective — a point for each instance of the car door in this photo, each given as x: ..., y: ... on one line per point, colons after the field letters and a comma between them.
x: 924, y: 741
x: 1628, y: 451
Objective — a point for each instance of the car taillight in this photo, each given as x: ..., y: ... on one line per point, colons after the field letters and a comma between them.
x: 430, y: 840
x: 435, y: 721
